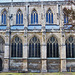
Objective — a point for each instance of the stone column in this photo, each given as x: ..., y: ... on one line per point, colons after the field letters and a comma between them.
x: 63, y: 46
x: 25, y: 54
x: 43, y: 48
x: 43, y: 55
x: 6, y: 53
x: 63, y: 54
x: 25, y: 46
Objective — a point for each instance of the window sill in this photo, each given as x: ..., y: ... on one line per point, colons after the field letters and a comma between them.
x: 17, y: 24
x: 34, y: 24
x: 50, y: 23
x: 16, y: 58
x: 70, y: 58
x: 53, y: 58
x: 34, y: 58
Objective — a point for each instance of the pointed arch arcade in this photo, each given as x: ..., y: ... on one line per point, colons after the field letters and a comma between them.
x: 70, y: 47
x: 52, y: 48
x: 34, y: 47
x: 16, y: 47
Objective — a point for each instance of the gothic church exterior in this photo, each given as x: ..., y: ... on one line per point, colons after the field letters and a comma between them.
x: 32, y: 38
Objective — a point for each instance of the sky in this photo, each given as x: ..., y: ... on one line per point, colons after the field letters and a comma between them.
x: 26, y: 0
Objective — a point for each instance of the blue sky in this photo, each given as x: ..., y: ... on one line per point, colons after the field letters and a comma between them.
x: 26, y: 0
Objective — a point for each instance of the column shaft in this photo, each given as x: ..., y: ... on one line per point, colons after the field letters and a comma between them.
x: 43, y: 48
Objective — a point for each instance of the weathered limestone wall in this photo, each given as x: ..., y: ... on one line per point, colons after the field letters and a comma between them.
x: 53, y: 65
x: 34, y: 65
x: 70, y: 64
x: 16, y: 64
x: 42, y: 64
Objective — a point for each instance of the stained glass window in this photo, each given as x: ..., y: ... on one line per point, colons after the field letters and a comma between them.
x: 34, y: 17
x: 52, y: 47
x: 3, y: 20
x: 16, y: 47
x: 19, y: 17
x: 34, y: 47
x: 70, y: 47
x: 49, y: 16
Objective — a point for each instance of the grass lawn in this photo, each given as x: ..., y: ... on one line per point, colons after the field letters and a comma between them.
x: 66, y: 73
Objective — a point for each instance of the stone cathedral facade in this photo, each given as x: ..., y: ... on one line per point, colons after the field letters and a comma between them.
x: 32, y: 37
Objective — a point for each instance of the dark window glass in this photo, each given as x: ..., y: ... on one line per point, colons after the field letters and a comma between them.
x: 16, y: 47
x: 4, y: 17
x: 65, y: 18
x: 49, y: 16
x: 34, y: 47
x: 19, y: 17
x: 34, y: 17
x: 1, y: 44
x: 70, y: 47
x: 52, y: 47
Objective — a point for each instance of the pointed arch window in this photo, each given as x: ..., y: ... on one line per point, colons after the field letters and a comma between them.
x: 19, y: 17
x: 34, y: 47
x: 65, y: 18
x: 49, y: 17
x: 3, y: 20
x: 1, y: 44
x: 52, y: 48
x: 16, y: 47
x: 34, y: 17
x: 70, y: 47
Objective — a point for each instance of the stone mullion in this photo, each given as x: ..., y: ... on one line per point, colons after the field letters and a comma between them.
x: 52, y: 49
x: 67, y: 49
x: 19, y: 48
x: 31, y: 50
x: 13, y: 50
x: 16, y: 50
x: 49, y: 49
x: 34, y: 49
x: 37, y: 51
x: 71, y: 49
x: 55, y: 50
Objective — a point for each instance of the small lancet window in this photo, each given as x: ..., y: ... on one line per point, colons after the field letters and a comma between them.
x: 34, y: 17
x: 49, y: 16
x: 19, y: 17
x: 65, y: 19
x: 3, y: 20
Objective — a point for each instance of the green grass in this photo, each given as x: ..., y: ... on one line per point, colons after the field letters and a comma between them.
x: 65, y: 73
